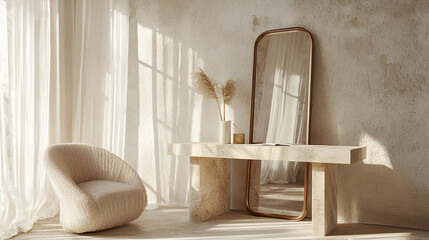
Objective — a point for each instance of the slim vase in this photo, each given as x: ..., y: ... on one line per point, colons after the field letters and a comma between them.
x: 225, y: 132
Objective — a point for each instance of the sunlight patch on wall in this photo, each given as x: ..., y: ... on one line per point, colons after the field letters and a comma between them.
x: 144, y: 35
x: 198, y: 98
x: 377, y: 153
x: 146, y: 136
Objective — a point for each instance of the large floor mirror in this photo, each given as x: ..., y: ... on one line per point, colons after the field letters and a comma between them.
x: 280, y: 115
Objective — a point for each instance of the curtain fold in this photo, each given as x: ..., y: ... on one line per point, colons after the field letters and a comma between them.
x: 100, y: 73
x: 63, y: 78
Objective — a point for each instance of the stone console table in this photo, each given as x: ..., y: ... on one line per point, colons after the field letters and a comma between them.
x: 210, y: 175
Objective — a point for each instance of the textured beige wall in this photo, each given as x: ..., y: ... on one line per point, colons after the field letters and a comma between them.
x: 370, y: 87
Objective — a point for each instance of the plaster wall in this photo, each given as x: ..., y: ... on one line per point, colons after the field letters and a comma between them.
x: 370, y: 87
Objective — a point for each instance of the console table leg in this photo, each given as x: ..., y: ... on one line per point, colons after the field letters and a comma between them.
x: 210, y: 188
x: 324, y: 209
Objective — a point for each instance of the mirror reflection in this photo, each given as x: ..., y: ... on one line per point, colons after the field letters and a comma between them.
x: 280, y: 109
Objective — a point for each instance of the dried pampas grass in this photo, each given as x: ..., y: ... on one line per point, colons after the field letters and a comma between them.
x: 204, y: 84
x: 207, y: 87
x: 228, y: 92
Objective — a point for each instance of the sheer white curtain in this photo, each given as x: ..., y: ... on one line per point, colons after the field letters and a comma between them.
x: 63, y: 77
x: 100, y: 73
x: 25, y: 111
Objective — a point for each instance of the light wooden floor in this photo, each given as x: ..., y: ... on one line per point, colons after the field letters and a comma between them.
x: 172, y: 223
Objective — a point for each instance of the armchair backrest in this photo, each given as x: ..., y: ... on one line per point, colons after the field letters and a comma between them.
x: 76, y: 161
x: 83, y: 162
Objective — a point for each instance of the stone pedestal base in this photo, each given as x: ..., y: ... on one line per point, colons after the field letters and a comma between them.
x: 210, y: 188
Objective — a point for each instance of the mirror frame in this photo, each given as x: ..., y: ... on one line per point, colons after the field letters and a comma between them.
x: 249, y: 162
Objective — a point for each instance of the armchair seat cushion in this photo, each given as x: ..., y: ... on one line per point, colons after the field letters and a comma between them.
x: 116, y: 203
x: 100, y: 189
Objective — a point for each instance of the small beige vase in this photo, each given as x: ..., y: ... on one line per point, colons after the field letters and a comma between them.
x: 225, y: 132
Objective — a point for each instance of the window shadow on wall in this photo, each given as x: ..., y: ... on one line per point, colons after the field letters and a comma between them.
x: 163, y: 108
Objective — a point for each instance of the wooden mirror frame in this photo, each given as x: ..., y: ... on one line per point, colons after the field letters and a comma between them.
x: 249, y: 162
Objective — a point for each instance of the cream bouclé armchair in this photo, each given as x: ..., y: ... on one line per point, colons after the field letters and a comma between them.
x: 97, y: 190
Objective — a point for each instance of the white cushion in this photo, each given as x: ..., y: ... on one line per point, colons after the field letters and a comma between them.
x: 101, y: 189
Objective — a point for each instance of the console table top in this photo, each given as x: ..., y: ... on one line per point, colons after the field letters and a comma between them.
x: 299, y: 153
